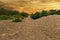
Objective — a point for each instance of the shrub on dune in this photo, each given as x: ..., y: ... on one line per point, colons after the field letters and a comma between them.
x: 52, y: 12
x: 16, y: 20
x: 58, y: 12
x: 44, y: 13
x: 35, y: 15
x: 3, y: 17
x: 24, y: 14
x: 11, y: 13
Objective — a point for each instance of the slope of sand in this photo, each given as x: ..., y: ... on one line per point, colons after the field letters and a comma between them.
x: 45, y: 28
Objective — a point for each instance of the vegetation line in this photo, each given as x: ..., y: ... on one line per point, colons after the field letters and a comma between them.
x: 16, y: 16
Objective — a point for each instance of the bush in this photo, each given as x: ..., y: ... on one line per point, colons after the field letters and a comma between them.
x: 38, y: 14
x: 4, y: 17
x: 35, y: 16
x: 11, y: 13
x: 52, y: 12
x: 17, y: 20
x: 3, y: 11
x: 44, y: 13
x: 58, y: 12
x: 24, y: 14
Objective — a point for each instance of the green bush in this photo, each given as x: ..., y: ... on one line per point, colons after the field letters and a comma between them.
x: 44, y: 13
x: 52, y: 12
x: 35, y: 16
x: 39, y: 14
x: 11, y: 13
x: 17, y: 20
x: 58, y: 12
x: 4, y: 17
x: 24, y: 14
x: 3, y: 11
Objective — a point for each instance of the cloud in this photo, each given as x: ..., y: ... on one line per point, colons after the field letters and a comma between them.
x: 28, y: 5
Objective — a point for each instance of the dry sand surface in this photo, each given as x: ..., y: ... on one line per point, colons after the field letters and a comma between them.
x: 45, y: 28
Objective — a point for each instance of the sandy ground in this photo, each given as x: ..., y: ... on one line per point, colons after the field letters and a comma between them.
x: 45, y: 28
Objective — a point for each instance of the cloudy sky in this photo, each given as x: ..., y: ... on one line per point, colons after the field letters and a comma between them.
x: 33, y: 5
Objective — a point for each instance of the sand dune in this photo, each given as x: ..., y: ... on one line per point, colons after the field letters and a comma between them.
x: 45, y: 28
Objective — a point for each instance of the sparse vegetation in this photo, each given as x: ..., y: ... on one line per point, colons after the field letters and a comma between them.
x: 35, y: 15
x: 17, y: 20
x: 24, y: 14
x: 52, y: 12
x: 39, y: 14
x: 3, y: 17
x: 45, y: 13
x: 58, y: 12
x: 13, y: 15
x: 16, y: 16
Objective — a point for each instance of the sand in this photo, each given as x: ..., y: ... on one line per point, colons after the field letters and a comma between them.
x: 45, y: 28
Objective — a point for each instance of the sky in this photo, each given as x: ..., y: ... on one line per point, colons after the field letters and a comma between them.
x: 31, y: 6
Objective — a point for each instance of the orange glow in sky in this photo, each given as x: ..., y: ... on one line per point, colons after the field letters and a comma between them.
x: 31, y: 6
